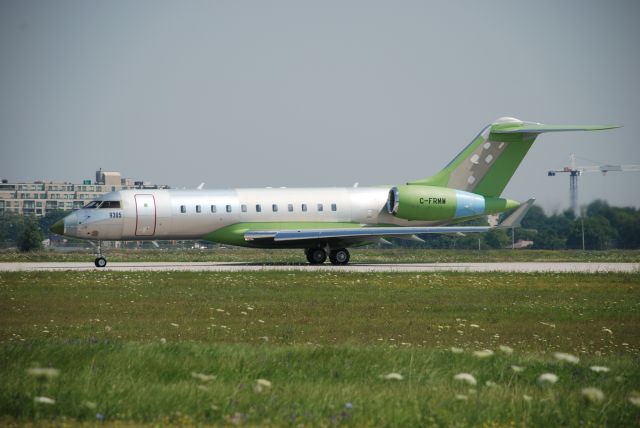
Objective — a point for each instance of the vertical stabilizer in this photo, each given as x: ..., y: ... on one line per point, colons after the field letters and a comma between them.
x: 487, y: 164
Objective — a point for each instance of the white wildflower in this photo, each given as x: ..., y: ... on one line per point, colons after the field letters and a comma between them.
x: 175, y: 325
x: 634, y: 398
x: 517, y: 369
x: 262, y: 385
x: 466, y: 377
x: 456, y: 350
x: 485, y: 353
x: 393, y: 376
x: 44, y: 400
x: 506, y: 349
x: 202, y: 377
x: 491, y: 384
x: 600, y: 369
x: 43, y: 372
x: 264, y: 382
x: 606, y: 330
x: 526, y: 397
x: 90, y: 404
x: 549, y: 378
x: 563, y: 356
x: 592, y: 394
x: 461, y: 397
x: 474, y: 325
x: 163, y: 340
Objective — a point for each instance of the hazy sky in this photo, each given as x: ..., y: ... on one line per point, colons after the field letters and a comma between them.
x: 297, y: 93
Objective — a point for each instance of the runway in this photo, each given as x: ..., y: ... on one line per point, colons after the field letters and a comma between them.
x: 561, y: 267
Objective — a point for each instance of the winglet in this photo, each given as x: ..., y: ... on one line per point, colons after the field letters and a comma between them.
x: 200, y: 186
x: 514, y: 219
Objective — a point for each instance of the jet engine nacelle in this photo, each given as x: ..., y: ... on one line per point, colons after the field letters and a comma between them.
x: 429, y: 203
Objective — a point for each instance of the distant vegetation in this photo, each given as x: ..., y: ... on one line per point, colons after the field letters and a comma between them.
x: 605, y: 227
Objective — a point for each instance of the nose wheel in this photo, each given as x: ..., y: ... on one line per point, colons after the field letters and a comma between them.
x: 100, y: 260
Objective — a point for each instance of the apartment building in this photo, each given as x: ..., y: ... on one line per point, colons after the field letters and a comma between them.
x: 38, y: 197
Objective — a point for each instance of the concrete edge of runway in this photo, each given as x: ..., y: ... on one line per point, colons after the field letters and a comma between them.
x: 524, y: 267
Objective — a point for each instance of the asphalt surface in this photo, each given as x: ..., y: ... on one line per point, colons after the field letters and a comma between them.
x: 247, y: 267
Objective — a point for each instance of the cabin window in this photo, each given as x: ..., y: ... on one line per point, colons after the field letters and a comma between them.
x: 290, y: 208
x: 320, y: 207
x: 198, y: 209
x: 213, y: 208
x: 92, y: 204
x: 334, y: 207
x: 274, y: 207
x: 228, y: 208
x: 258, y: 208
x: 183, y: 209
x: 243, y: 208
x: 304, y: 207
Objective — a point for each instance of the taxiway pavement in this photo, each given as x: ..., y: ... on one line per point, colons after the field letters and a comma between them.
x: 356, y: 267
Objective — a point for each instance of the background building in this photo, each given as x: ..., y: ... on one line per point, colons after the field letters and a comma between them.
x: 38, y: 197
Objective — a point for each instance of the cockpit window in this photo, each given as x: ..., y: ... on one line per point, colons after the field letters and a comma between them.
x: 110, y: 204
x: 92, y: 204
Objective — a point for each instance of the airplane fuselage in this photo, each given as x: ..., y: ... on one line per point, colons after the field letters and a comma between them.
x: 205, y: 214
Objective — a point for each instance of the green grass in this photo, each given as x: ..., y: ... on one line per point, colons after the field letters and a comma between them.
x: 127, y: 345
x: 359, y: 255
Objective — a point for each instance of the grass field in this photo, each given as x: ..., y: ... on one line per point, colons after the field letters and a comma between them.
x: 319, y: 349
x: 358, y: 255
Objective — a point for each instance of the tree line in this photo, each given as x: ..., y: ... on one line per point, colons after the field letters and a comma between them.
x: 604, y: 227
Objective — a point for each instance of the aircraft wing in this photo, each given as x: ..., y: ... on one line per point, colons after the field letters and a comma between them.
x: 368, y: 233
x: 355, y: 234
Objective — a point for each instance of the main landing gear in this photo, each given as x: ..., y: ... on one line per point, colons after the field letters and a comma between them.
x: 100, y: 260
x: 317, y: 256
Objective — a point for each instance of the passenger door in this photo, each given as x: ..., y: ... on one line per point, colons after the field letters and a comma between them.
x: 145, y: 215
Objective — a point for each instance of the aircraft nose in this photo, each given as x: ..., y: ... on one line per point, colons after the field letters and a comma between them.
x: 58, y: 227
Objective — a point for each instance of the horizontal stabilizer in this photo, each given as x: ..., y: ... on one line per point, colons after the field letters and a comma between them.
x: 538, y: 128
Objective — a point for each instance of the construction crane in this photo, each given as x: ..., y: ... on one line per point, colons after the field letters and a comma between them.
x: 576, y: 171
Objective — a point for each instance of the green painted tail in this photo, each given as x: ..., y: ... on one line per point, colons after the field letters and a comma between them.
x: 487, y: 164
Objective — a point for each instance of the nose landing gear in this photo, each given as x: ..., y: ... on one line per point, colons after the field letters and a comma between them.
x: 100, y: 260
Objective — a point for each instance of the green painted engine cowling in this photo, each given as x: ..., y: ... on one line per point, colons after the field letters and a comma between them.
x: 432, y: 203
